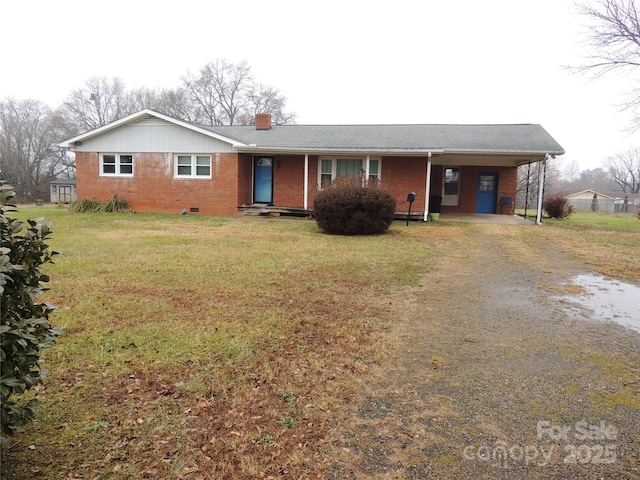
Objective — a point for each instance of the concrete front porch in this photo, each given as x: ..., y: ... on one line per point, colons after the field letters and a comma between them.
x: 484, y: 218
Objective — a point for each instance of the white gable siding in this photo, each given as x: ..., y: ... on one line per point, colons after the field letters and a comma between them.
x: 154, y: 135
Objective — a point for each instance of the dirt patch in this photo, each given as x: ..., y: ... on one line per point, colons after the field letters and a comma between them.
x: 491, y: 378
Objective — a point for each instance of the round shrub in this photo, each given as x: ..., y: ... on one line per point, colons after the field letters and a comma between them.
x: 557, y: 206
x: 349, y: 208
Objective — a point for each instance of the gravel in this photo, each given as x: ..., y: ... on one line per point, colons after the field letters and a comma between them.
x: 492, y: 377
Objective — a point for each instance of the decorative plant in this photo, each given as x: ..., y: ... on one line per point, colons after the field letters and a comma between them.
x: 114, y: 205
x: 557, y: 206
x: 24, y: 323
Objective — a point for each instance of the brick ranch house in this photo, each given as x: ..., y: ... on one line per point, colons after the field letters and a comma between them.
x: 161, y: 164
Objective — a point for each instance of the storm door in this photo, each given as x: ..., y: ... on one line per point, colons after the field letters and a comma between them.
x: 487, y: 193
x: 263, y: 180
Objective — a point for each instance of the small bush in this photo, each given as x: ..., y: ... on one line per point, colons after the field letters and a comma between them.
x: 349, y: 208
x: 557, y: 206
x: 86, y: 205
x: 114, y: 205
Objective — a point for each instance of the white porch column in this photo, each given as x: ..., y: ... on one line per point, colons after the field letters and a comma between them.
x: 541, y: 178
x: 306, y: 181
x: 427, y: 190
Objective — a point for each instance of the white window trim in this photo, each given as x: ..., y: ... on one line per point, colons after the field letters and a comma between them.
x: 117, y: 165
x: 334, y: 165
x: 193, y: 175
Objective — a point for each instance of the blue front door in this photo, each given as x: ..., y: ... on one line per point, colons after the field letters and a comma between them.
x: 263, y: 180
x: 487, y: 193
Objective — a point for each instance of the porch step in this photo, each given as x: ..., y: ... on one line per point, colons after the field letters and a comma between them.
x: 260, y: 211
x: 271, y: 211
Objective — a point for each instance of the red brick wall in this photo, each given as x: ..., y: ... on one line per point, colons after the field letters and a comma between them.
x: 153, y: 188
x: 245, y: 179
x: 288, y: 181
x: 313, y: 178
x: 469, y: 187
x: 400, y: 175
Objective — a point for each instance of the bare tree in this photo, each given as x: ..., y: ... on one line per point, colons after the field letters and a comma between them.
x: 172, y: 102
x: 219, y: 91
x: 265, y: 99
x: 225, y: 94
x: 100, y: 101
x: 222, y: 93
x: 613, y: 40
x: 29, y: 155
x: 614, y: 35
x: 572, y: 171
x: 624, y: 168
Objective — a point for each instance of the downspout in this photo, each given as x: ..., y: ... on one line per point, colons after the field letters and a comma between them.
x: 427, y: 190
x: 542, y: 170
x: 306, y: 181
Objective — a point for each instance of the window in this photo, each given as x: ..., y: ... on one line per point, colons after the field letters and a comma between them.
x: 116, y: 164
x: 348, y: 167
x: 326, y: 172
x: 374, y: 170
x: 487, y: 183
x: 332, y: 167
x: 451, y: 186
x: 193, y: 166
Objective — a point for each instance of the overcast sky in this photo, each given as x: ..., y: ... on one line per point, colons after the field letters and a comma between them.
x: 347, y: 61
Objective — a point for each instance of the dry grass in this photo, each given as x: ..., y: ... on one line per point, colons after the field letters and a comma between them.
x: 213, y: 348
x: 208, y: 348
x: 608, y: 243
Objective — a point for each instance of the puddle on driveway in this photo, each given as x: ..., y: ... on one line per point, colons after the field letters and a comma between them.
x: 608, y: 299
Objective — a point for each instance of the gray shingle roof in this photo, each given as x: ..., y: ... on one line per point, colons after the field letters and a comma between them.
x: 520, y: 138
x: 416, y: 139
x: 63, y: 181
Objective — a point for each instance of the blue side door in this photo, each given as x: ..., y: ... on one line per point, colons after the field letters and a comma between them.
x: 263, y: 180
x: 487, y: 199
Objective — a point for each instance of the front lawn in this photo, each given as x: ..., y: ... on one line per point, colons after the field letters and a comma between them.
x: 206, y: 344
x: 202, y: 347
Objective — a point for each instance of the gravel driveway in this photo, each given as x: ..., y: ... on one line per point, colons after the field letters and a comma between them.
x: 491, y: 377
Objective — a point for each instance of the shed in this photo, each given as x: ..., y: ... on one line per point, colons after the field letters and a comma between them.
x: 63, y: 190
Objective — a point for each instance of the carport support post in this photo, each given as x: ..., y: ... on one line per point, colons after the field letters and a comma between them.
x: 427, y: 189
x: 306, y: 182
x: 526, y: 197
x: 542, y: 170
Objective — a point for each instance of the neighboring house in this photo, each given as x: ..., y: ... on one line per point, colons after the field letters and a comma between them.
x: 160, y: 164
x: 611, y: 202
x: 63, y: 190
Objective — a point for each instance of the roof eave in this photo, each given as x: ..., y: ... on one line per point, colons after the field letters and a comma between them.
x: 338, y: 151
x: 507, y: 152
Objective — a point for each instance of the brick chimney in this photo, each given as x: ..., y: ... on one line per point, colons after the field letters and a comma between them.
x: 263, y: 121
